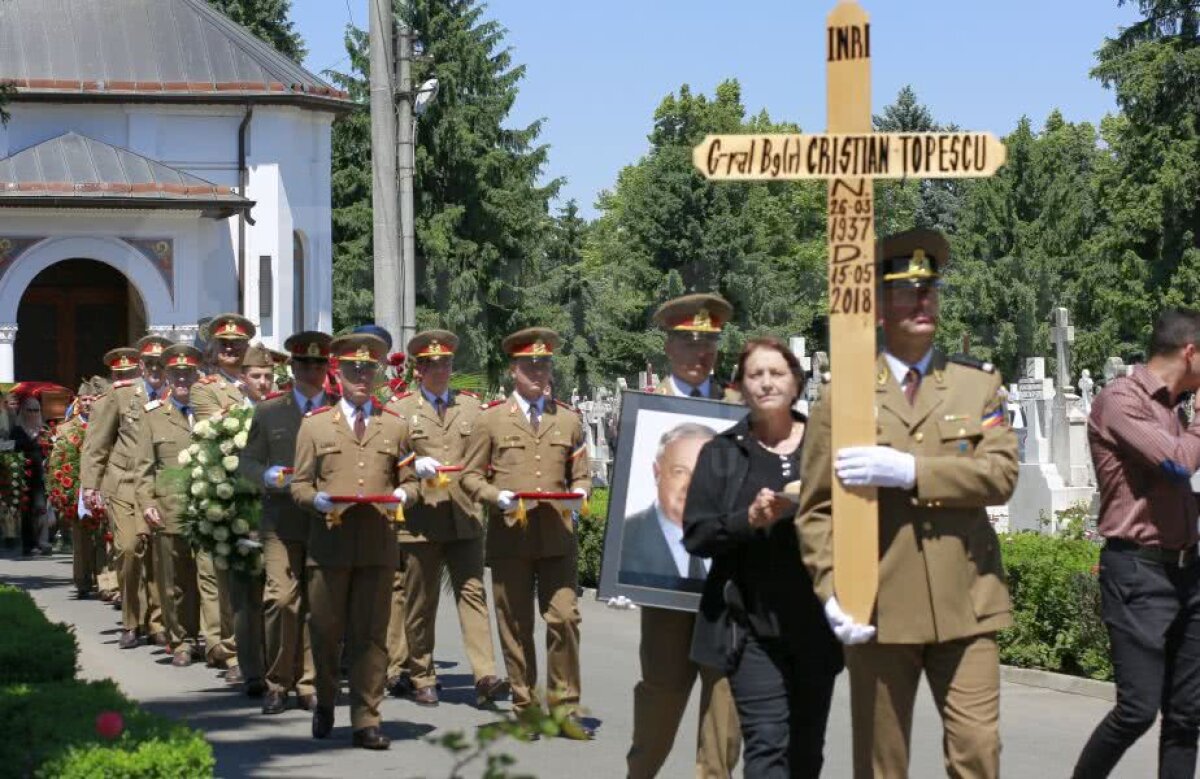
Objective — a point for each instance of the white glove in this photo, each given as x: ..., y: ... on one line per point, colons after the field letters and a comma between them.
x: 844, y: 627
x: 426, y: 467
x: 506, y: 500
x: 575, y: 505
x: 401, y: 494
x: 876, y: 466
x: 272, y: 474
x: 322, y: 503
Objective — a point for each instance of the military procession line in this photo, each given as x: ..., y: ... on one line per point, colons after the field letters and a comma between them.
x: 286, y: 536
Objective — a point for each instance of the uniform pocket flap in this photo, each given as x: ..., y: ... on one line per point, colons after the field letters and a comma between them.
x: 959, y: 428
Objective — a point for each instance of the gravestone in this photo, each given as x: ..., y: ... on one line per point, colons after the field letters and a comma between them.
x: 1055, y: 470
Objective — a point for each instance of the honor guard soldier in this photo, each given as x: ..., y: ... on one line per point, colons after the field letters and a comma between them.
x: 107, y: 478
x: 442, y: 525
x: 87, y: 550
x: 944, y: 451
x: 122, y: 364
x: 268, y: 460
x: 526, y: 444
x: 693, y: 326
x: 228, y: 337
x: 166, y: 430
x: 246, y: 587
x: 348, y: 461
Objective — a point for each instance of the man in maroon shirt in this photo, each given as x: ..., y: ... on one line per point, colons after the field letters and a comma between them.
x: 1145, y: 455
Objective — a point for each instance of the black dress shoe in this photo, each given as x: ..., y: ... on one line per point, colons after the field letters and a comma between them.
x: 274, y: 703
x: 322, y: 721
x: 400, y: 686
x: 129, y: 639
x: 308, y: 702
x: 426, y: 696
x: 371, y: 738
x: 255, y: 688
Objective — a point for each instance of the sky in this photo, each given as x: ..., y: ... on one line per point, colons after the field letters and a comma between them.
x: 596, y: 71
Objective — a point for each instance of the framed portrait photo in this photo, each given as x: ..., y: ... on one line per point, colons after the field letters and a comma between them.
x: 659, y: 438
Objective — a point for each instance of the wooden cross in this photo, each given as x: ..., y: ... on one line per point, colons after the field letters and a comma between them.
x: 850, y: 157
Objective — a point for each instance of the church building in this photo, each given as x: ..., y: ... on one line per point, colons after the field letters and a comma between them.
x: 161, y: 165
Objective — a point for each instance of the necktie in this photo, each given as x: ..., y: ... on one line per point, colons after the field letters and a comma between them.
x: 912, y: 380
x: 308, y: 406
x: 696, y: 568
x: 439, y: 406
x: 695, y: 393
x: 360, y: 422
x: 535, y: 416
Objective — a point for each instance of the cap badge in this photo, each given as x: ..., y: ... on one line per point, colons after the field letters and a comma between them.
x: 314, y: 349
x: 702, y: 319
x: 538, y: 347
x: 363, y: 353
x: 919, y: 265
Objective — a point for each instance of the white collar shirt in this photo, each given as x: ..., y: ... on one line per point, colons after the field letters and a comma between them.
x: 900, y: 368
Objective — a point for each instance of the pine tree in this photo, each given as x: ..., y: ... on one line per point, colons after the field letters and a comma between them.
x: 267, y: 19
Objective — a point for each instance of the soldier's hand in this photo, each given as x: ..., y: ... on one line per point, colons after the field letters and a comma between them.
x: 844, y: 627
x: 875, y: 466
x: 506, y: 500
x: 275, y: 477
x: 426, y: 467
x: 92, y: 499
x: 153, y: 518
x: 401, y: 495
x: 322, y: 503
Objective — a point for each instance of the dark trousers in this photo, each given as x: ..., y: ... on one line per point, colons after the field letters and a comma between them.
x: 1152, y: 612
x: 783, y: 706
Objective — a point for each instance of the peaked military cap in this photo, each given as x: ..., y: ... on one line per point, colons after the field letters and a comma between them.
x: 233, y: 327
x: 531, y: 342
x: 914, y: 258
x: 433, y: 344
x: 376, y: 330
x: 181, y: 356
x: 308, y: 345
x: 699, y: 315
x: 359, y: 347
x: 152, y: 345
x: 122, y: 359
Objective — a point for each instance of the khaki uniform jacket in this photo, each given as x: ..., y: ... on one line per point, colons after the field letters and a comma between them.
x: 438, y: 514
x: 505, y: 454
x: 715, y: 390
x: 162, y: 435
x: 106, y: 460
x: 940, y: 573
x: 213, y: 394
x: 330, y: 459
x: 272, y: 441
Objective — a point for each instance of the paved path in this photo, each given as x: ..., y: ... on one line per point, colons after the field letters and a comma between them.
x: 1042, y: 730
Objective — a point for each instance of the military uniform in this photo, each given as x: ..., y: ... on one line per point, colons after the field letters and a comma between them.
x: 506, y: 453
x: 210, y: 396
x: 283, y: 532
x: 351, y: 552
x: 668, y: 673
x: 166, y: 430
x: 442, y: 527
x: 942, y: 594
x: 106, y: 464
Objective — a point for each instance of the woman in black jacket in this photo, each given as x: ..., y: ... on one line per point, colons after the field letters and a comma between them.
x: 759, y: 619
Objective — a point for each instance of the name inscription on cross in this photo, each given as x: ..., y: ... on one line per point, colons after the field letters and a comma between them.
x: 850, y: 157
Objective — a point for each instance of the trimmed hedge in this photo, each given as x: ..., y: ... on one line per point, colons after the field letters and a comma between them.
x: 50, y: 731
x: 591, y: 539
x: 31, y: 648
x: 49, y: 719
x: 1056, y: 606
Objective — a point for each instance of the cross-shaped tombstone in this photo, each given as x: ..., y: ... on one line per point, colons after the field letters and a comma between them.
x: 1063, y: 334
x: 850, y: 157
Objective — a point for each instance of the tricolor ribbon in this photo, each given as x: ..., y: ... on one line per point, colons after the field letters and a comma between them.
x: 281, y: 478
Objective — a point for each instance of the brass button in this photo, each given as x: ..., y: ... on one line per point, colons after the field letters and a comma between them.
x: 927, y: 526
x: 916, y: 502
x: 361, y: 482
x: 537, y: 473
x: 537, y: 457
x: 962, y: 431
x: 919, y: 437
x: 362, y: 465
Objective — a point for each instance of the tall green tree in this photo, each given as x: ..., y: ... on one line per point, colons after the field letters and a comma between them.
x: 267, y: 19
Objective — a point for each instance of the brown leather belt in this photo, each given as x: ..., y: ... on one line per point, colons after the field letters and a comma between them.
x: 1155, y: 554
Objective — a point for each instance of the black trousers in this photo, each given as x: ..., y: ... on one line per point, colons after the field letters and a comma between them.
x: 783, y: 707
x: 1152, y: 612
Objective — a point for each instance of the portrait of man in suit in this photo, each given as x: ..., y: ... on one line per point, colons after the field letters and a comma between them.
x: 652, y: 552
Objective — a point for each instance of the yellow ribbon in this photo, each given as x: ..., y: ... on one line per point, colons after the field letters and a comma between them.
x: 439, y: 482
x: 585, y: 510
x: 280, y: 479
x: 521, y: 516
x: 398, y: 517
x: 334, y: 517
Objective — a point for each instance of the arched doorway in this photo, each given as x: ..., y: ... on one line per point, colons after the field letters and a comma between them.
x: 70, y: 315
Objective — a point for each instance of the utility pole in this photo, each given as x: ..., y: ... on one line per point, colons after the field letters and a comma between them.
x: 407, y: 130
x: 384, y: 147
